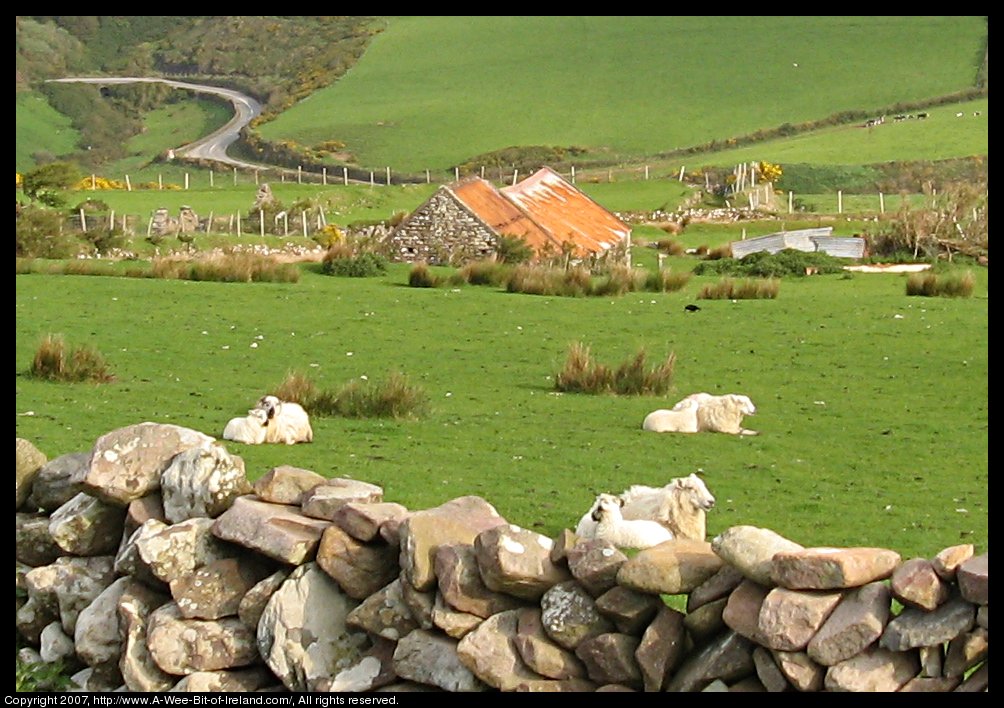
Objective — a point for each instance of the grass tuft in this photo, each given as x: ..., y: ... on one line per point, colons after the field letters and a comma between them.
x: 54, y: 361
x: 934, y: 285
x: 581, y: 374
x: 749, y: 289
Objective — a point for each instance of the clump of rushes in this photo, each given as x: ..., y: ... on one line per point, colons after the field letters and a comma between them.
x: 749, y: 289
x: 421, y: 276
x: 394, y: 397
x: 581, y: 374
x: 934, y: 285
x: 55, y: 361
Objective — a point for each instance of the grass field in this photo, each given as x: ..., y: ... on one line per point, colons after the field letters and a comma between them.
x: 426, y: 93
x: 39, y: 128
x: 872, y: 406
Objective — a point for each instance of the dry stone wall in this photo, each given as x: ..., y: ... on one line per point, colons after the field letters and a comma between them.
x: 151, y: 563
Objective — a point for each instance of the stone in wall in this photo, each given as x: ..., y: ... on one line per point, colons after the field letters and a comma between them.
x: 28, y: 460
x: 457, y: 521
x: 303, y: 633
x: 491, y: 654
x: 202, y: 481
x: 126, y: 464
x: 59, y: 480
x: 517, y: 561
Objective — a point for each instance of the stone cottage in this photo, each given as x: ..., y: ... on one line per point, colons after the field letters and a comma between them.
x: 464, y: 221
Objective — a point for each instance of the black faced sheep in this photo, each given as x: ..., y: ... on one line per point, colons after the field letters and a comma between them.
x: 288, y: 422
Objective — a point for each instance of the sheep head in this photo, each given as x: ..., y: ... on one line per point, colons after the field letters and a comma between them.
x: 260, y: 415
x: 696, y: 491
x: 269, y: 404
x: 743, y: 403
x: 605, y: 504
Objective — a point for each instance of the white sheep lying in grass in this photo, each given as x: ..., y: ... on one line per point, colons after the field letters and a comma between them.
x: 720, y: 414
x: 250, y: 430
x: 288, y: 422
x: 611, y: 526
x: 681, y: 506
x: 678, y: 420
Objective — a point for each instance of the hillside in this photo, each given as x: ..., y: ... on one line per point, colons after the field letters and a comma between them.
x: 433, y: 91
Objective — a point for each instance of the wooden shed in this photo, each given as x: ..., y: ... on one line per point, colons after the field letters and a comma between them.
x: 464, y: 221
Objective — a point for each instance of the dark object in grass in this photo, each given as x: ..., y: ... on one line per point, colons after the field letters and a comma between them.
x: 691, y: 308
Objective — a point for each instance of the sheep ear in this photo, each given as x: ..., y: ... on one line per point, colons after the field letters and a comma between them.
x: 620, y: 501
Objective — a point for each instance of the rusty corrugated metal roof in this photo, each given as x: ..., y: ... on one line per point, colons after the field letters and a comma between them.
x: 502, y: 215
x: 567, y: 214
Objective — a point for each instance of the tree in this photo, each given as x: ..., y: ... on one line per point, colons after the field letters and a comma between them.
x: 44, y: 184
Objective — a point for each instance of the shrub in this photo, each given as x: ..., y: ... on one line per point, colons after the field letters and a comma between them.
x: 633, y: 377
x: 762, y: 264
x: 718, y: 253
x: 934, y: 285
x: 749, y: 289
x: 542, y: 280
x: 513, y: 249
x: 364, y: 265
x: 53, y: 361
x: 421, y: 276
x: 38, y: 233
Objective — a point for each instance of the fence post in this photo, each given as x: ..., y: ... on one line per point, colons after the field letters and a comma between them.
x: 160, y: 181
x: 303, y: 219
x: 840, y: 201
x: 211, y: 184
x: 456, y: 174
x: 93, y: 182
x: 372, y: 182
x: 345, y: 176
x: 515, y: 174
x: 299, y: 174
x: 646, y: 171
x: 209, y: 222
x: 149, y: 227
x: 482, y: 171
x: 83, y: 221
x: 238, y: 225
x: 790, y: 203
x: 428, y: 177
x: 261, y: 223
x: 684, y: 167
x: 111, y: 220
x: 881, y: 203
x: 388, y: 175
x: 235, y: 176
x: 324, y: 176
x: 128, y: 184
x: 573, y: 174
x: 744, y: 233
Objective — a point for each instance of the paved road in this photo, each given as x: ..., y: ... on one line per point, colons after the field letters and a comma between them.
x: 213, y: 146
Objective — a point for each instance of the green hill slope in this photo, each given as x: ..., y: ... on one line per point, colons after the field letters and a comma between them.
x: 432, y: 91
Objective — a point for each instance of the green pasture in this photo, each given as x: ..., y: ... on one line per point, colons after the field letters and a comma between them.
x: 431, y: 92
x: 873, y: 406
x: 941, y: 135
x: 39, y: 128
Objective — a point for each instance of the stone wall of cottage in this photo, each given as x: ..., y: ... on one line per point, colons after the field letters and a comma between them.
x: 441, y: 232
x: 151, y: 563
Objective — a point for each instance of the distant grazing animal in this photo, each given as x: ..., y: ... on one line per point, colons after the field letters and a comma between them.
x: 251, y: 429
x: 288, y: 422
x: 721, y: 414
x: 691, y: 308
x: 678, y: 420
x: 681, y: 506
x: 611, y: 526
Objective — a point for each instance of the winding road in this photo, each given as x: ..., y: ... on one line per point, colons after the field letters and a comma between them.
x: 213, y: 146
